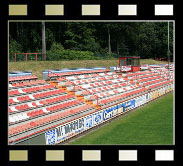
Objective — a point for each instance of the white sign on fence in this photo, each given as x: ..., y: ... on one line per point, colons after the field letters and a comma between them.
x: 60, y: 133
x: 97, y: 118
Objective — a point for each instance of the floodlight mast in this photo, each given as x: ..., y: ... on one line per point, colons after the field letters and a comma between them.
x: 168, y: 54
x: 43, y: 41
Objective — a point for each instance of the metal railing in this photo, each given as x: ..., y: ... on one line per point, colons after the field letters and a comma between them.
x: 15, y: 56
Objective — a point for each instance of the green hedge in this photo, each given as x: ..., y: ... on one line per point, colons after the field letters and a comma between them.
x: 78, y: 55
x: 71, y: 55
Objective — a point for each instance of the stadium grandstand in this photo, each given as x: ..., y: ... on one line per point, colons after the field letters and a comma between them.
x: 64, y: 104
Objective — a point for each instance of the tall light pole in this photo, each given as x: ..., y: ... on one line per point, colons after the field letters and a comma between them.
x: 168, y: 54
x: 43, y: 41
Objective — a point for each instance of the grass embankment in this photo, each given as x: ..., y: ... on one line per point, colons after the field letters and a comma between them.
x: 39, y: 66
x: 151, y: 124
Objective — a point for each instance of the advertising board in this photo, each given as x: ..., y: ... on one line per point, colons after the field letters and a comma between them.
x: 120, y: 108
x: 88, y: 122
x: 65, y: 131
x: 129, y: 105
x: 97, y: 118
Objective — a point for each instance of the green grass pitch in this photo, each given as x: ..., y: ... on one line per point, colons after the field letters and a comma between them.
x: 151, y: 124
